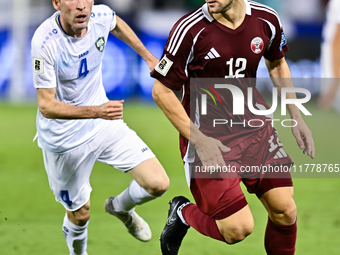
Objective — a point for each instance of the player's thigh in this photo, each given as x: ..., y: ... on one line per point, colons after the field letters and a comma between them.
x: 218, y: 198
x: 280, y: 205
x: 127, y: 152
x: 123, y: 149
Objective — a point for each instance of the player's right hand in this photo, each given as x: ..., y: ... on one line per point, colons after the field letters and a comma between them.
x: 210, y: 150
x: 111, y: 110
x: 304, y: 138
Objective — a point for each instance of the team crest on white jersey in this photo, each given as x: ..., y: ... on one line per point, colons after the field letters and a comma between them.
x: 100, y: 44
x: 257, y: 45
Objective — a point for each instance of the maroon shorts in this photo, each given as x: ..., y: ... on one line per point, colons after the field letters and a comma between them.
x: 259, y: 162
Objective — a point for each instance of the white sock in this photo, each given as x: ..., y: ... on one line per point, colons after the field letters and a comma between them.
x: 130, y: 197
x: 180, y: 215
x: 76, y: 237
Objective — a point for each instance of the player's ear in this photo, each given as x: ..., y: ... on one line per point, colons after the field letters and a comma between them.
x: 56, y: 4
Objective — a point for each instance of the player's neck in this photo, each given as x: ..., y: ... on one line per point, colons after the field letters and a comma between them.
x: 233, y: 16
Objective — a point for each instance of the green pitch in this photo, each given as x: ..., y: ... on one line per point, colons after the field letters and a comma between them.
x: 30, y: 219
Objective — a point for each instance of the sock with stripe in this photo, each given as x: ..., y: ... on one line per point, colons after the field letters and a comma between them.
x: 130, y: 197
x: 75, y: 236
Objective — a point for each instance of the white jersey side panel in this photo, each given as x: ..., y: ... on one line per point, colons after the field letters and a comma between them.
x: 329, y: 29
x: 73, y: 67
x: 328, y: 33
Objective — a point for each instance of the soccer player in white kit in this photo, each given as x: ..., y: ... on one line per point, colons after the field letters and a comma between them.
x: 77, y: 125
x: 330, y: 58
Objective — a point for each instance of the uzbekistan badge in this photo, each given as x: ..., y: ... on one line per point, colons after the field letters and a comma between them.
x: 100, y: 44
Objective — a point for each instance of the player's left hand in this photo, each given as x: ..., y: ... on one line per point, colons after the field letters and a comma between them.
x: 304, y: 138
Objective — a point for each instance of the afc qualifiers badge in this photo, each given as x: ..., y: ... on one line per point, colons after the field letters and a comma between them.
x: 257, y: 45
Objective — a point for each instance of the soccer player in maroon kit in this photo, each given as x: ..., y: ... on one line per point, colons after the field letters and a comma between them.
x: 227, y: 39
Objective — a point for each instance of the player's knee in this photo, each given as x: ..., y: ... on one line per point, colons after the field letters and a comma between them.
x: 285, y: 213
x: 235, y: 234
x: 81, y: 216
x: 159, y: 186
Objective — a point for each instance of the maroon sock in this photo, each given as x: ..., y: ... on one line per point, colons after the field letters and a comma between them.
x: 280, y: 239
x: 202, y: 223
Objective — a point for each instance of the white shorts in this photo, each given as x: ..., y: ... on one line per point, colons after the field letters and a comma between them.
x: 69, y: 173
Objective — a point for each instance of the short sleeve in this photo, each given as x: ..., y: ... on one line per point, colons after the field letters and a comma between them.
x: 113, y: 21
x: 42, y: 65
x: 172, y: 68
x: 337, y: 8
x: 104, y: 15
x: 278, y: 44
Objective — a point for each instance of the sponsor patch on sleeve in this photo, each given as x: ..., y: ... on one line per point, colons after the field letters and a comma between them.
x: 164, y: 66
x: 38, y: 65
x: 283, y: 41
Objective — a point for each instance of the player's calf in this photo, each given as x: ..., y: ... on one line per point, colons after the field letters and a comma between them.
x: 75, y: 229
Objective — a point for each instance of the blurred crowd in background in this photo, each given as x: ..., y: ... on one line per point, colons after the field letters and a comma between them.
x: 124, y: 73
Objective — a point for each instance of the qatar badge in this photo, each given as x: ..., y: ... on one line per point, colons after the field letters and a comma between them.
x: 257, y: 45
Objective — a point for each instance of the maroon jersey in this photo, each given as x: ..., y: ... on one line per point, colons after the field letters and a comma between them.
x: 200, y: 47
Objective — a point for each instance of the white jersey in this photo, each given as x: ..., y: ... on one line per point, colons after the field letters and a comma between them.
x: 328, y: 33
x: 73, y: 66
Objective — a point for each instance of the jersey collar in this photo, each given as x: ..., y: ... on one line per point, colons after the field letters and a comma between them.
x: 248, y: 7
x: 206, y: 13
x: 57, y: 20
x: 208, y: 16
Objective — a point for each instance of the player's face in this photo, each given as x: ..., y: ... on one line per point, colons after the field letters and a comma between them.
x: 74, y: 15
x: 219, y: 6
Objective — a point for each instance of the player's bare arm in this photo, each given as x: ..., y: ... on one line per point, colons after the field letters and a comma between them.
x: 208, y: 149
x: 54, y: 109
x: 126, y: 34
x: 281, y: 77
x: 326, y: 100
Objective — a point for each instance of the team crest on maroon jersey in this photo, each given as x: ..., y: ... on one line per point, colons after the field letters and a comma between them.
x: 257, y: 45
